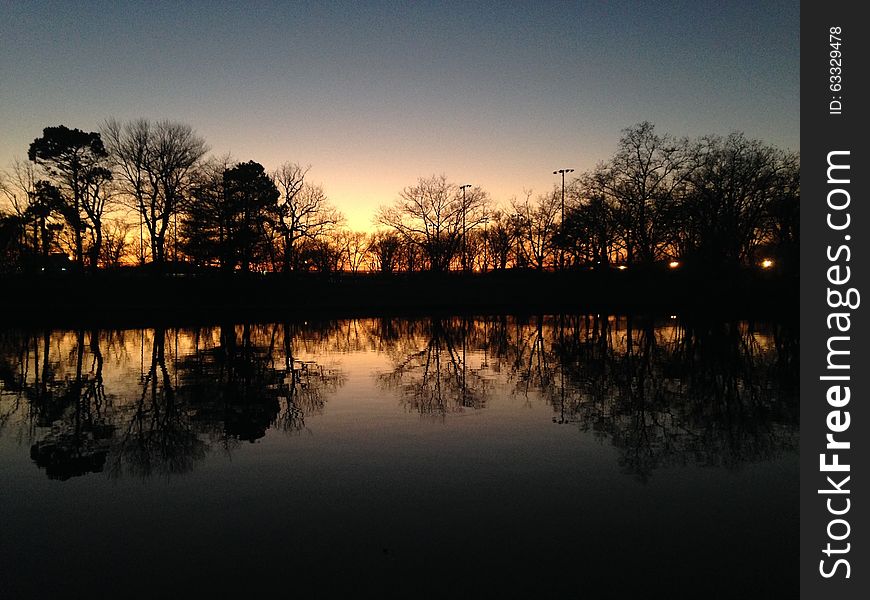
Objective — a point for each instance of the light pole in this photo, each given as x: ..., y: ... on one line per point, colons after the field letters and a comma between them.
x: 485, y: 222
x: 562, y: 221
x: 464, y: 208
x: 141, y: 242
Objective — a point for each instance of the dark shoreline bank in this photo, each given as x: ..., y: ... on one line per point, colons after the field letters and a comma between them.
x: 136, y: 298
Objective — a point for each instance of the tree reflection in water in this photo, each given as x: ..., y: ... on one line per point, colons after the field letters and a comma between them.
x: 194, y: 390
x: 431, y: 372
x: 710, y: 393
x: 158, y: 436
x: 663, y: 392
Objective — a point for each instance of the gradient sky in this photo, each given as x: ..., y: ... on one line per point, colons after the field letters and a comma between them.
x: 376, y: 94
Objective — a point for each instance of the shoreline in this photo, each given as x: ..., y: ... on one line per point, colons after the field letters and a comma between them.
x: 137, y: 297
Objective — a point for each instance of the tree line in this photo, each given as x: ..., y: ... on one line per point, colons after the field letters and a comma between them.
x: 145, y: 192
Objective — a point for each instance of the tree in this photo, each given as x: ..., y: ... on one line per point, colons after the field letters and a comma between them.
x: 783, y: 214
x: 590, y: 231
x: 94, y: 204
x: 643, y: 178
x: 384, y: 249
x: 537, y: 225
x: 322, y: 255
x: 33, y: 204
x: 250, y: 196
x: 500, y: 239
x: 735, y: 184
x: 205, y: 220
x: 46, y: 200
x: 74, y: 161
x: 116, y: 244
x: 434, y: 215
x: 156, y: 163
x: 303, y: 211
x: 354, y: 247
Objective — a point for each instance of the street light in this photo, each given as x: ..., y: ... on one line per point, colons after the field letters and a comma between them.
x: 141, y: 242
x: 464, y: 208
x: 485, y: 222
x: 562, y: 222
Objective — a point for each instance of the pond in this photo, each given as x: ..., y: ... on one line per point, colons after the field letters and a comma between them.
x: 546, y: 455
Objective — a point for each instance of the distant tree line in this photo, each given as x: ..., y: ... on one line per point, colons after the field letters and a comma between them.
x: 144, y: 192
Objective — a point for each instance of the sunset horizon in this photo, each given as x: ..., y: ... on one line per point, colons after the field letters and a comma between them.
x: 417, y: 299
x: 436, y: 91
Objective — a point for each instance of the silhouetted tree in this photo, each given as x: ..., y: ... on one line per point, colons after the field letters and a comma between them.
x: 537, y: 223
x: 384, y: 250
x: 98, y: 196
x: 116, y: 242
x: 501, y: 239
x: 783, y: 214
x: 590, y: 231
x: 353, y: 246
x: 205, y: 222
x: 250, y: 196
x: 643, y: 178
x: 29, y: 206
x: 156, y: 163
x: 734, y: 185
x: 75, y: 163
x: 322, y: 255
x: 431, y: 215
x: 302, y: 212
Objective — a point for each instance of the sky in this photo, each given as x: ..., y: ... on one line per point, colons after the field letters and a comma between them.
x: 374, y: 95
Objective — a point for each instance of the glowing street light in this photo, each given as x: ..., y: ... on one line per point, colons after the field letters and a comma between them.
x: 674, y: 264
x: 766, y: 263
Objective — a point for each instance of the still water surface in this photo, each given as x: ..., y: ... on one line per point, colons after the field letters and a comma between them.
x: 551, y: 456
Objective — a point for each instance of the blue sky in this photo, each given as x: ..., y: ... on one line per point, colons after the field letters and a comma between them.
x: 376, y: 94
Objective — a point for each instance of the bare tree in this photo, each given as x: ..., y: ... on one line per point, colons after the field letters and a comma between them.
x: 156, y: 163
x: 735, y: 185
x: 384, y: 249
x: 434, y: 215
x: 354, y: 246
x: 304, y: 212
x: 641, y: 180
x: 18, y: 186
x: 500, y: 239
x: 537, y: 224
x: 590, y: 232
x: 116, y: 242
x: 20, y: 191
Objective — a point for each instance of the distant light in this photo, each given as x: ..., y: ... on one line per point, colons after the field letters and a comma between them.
x: 766, y: 263
x: 42, y: 269
x: 673, y: 316
x: 63, y: 268
x: 674, y: 264
x: 622, y: 267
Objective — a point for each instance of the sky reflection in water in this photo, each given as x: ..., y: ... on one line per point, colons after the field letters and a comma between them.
x: 520, y: 453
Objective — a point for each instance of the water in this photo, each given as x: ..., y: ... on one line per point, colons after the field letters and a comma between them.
x: 544, y: 455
